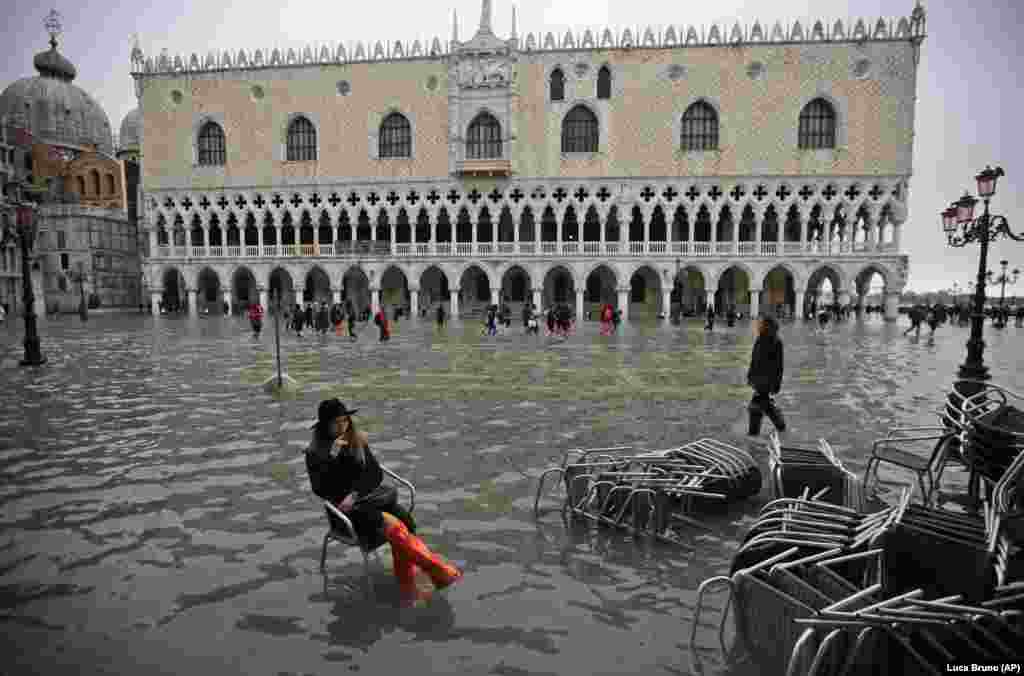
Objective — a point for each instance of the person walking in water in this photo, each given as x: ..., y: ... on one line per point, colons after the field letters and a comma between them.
x: 256, y: 318
x: 765, y: 376
x: 606, y: 319
x: 298, y: 319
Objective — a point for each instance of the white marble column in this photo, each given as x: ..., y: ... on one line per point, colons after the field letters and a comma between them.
x: 152, y: 244
x: 580, y: 313
x: 897, y: 230
x: 801, y: 299
x: 154, y: 302
x: 624, y: 301
x: 414, y: 301
x: 393, y: 242
x: 666, y: 302
x: 536, y: 298
x: 193, y: 303
x: 755, y: 303
x: 495, y: 295
x: 229, y: 299
x: 336, y: 295
x: 453, y: 309
x: 264, y: 298
x: 844, y: 298
x: 710, y: 296
x: 374, y: 299
x: 892, y: 306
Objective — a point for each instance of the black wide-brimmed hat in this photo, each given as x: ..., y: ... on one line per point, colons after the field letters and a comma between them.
x: 330, y: 409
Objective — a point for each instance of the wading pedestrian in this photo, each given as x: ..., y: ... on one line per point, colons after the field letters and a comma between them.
x: 765, y: 376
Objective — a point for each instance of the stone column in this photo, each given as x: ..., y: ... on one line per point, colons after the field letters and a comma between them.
x: 495, y: 295
x: 206, y: 241
x: 801, y: 299
x: 414, y: 301
x: 299, y: 291
x: 755, y: 303
x: 453, y: 309
x: 229, y: 299
x: 154, y: 302
x: 580, y: 313
x: 860, y: 303
x: 624, y: 301
x: 394, y: 243
x: 374, y: 298
x: 536, y: 298
x: 892, y: 305
x: 666, y: 302
x: 710, y: 296
x: 804, y: 218
x: 896, y: 231
x: 259, y: 240
x: 647, y: 232
x: 264, y: 298
x: 193, y: 303
x: 844, y: 298
x: 152, y: 244
x: 336, y: 295
x: 188, y: 241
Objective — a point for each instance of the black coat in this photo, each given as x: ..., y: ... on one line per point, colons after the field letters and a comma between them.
x: 334, y: 478
x: 765, y: 372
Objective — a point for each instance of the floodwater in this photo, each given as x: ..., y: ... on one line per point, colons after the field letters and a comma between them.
x: 157, y: 518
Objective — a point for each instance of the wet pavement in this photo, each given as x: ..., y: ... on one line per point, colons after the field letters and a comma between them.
x: 157, y: 518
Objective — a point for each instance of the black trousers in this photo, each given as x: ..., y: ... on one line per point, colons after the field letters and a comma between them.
x: 762, y: 405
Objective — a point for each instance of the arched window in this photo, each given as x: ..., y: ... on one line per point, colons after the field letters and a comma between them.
x: 211, y: 145
x: 817, y: 125
x: 110, y: 184
x: 94, y: 177
x: 483, y: 140
x: 700, y: 127
x: 395, y: 138
x: 557, y: 85
x: 579, y: 131
x: 301, y: 141
x: 604, y: 83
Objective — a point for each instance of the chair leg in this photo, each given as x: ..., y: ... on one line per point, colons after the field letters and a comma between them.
x: 323, y: 552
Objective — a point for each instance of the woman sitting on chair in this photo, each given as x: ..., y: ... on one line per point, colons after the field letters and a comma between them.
x: 343, y: 471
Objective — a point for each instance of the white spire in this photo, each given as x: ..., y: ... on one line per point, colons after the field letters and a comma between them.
x: 485, y: 17
x: 455, y: 26
x: 514, y: 36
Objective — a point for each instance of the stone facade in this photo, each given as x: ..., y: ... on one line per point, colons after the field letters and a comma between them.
x: 639, y: 204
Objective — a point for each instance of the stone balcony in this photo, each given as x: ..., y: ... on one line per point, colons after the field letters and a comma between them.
x: 364, y: 249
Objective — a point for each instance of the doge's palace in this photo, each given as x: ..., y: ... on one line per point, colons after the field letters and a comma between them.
x: 739, y: 166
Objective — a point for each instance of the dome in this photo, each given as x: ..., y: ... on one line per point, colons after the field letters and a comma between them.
x: 131, y: 131
x: 54, y: 109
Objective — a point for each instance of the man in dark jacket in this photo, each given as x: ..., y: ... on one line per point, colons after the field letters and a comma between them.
x: 765, y: 376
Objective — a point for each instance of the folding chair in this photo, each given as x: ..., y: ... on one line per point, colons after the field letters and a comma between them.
x: 342, y: 530
x: 895, y: 449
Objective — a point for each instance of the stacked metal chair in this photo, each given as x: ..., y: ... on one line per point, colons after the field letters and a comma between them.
x: 792, y: 469
x: 650, y: 492
x: 824, y: 589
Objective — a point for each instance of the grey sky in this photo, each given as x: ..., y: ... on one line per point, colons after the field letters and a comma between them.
x: 969, y: 88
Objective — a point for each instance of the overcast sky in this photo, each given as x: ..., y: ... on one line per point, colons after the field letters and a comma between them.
x: 969, y: 83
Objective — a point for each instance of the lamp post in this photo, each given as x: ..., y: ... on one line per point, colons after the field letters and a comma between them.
x: 1002, y: 280
x: 961, y: 229
x: 24, y: 231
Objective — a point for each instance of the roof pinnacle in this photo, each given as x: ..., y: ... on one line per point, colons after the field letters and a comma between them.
x: 455, y: 26
x: 485, y: 17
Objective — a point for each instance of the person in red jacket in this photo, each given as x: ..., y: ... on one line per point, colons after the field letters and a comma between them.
x: 256, y: 318
x: 381, y: 320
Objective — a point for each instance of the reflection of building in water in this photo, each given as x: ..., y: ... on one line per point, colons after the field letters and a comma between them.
x: 631, y: 169
x: 86, y: 242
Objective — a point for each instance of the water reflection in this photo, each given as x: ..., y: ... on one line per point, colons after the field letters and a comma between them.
x: 152, y: 492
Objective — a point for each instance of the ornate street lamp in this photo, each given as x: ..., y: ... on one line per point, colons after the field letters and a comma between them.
x: 1002, y: 280
x: 24, y: 231
x: 961, y: 229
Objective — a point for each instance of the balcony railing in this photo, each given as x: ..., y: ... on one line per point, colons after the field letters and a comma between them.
x: 363, y: 248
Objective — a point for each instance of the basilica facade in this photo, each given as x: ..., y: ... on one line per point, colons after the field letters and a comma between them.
x: 657, y: 171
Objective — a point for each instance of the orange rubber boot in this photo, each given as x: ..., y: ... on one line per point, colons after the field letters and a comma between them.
x: 414, y: 550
